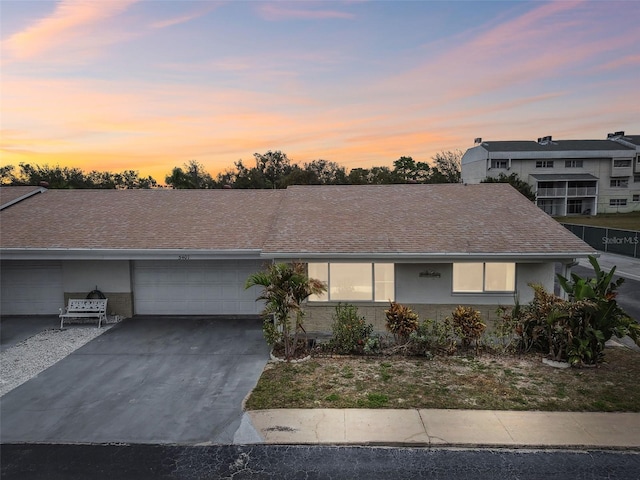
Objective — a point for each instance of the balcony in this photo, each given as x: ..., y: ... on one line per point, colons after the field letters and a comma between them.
x: 568, y: 192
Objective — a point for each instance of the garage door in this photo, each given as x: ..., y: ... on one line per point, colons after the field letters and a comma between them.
x: 31, y: 288
x: 194, y: 288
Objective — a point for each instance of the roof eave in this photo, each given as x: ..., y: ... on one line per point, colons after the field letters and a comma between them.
x: 434, y: 257
x: 126, y: 254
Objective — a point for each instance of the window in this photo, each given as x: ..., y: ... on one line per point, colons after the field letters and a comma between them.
x: 636, y: 178
x: 573, y: 163
x: 544, y: 164
x: 636, y: 198
x: 574, y: 206
x: 484, y: 277
x: 618, y: 202
x: 619, y: 183
x: 364, y: 282
x: 499, y: 163
x: 621, y: 163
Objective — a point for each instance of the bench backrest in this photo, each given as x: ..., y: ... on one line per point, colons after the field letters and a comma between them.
x: 87, y: 305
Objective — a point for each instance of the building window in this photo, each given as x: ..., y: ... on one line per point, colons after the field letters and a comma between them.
x: 621, y: 163
x: 544, y: 163
x: 354, y: 282
x: 619, y: 183
x: 618, y: 202
x: 636, y: 178
x: 636, y: 198
x: 573, y: 163
x: 484, y: 277
x: 499, y: 163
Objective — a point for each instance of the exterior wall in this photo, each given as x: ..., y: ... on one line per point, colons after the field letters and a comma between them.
x: 319, y: 317
x: 431, y: 297
x: 111, y: 277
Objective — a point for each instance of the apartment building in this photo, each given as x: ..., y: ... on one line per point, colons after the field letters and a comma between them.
x: 569, y: 177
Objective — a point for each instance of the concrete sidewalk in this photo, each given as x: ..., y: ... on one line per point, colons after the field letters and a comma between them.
x: 442, y: 428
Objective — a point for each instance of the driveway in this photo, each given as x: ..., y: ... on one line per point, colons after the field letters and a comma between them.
x: 176, y: 380
x: 14, y: 329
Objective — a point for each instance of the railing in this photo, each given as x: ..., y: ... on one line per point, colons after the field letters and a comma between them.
x: 622, y: 242
x: 569, y: 192
x: 581, y: 191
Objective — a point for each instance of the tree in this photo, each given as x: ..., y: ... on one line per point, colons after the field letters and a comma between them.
x: 407, y: 170
x: 285, y: 287
x: 65, y: 177
x: 274, y: 166
x: 515, y: 181
x: 193, y: 176
x: 447, y: 167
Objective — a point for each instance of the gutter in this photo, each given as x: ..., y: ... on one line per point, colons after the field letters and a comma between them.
x: 127, y: 254
x: 439, y: 257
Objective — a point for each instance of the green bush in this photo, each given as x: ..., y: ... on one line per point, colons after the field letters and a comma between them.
x: 350, y: 332
x: 401, y: 321
x: 432, y: 338
x: 575, y: 330
x: 467, y: 324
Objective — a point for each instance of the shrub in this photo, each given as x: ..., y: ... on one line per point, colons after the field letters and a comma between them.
x: 401, y: 321
x: 433, y: 337
x: 350, y: 332
x: 468, y: 325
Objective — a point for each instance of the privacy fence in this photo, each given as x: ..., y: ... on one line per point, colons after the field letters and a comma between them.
x: 613, y: 240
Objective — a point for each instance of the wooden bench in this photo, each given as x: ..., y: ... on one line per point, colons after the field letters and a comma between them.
x: 85, y: 308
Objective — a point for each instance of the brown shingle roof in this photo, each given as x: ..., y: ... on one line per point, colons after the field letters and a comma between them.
x: 416, y: 219
x: 10, y: 195
x: 315, y: 220
x: 141, y: 219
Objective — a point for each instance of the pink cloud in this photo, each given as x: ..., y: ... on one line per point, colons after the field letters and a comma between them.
x: 187, y: 17
x: 69, y: 21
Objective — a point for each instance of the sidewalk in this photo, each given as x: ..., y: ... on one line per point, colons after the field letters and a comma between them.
x: 441, y: 428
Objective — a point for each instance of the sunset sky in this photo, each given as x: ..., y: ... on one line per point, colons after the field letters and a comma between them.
x: 149, y: 85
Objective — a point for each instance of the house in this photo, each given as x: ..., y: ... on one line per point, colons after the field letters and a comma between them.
x: 189, y: 252
x: 569, y: 177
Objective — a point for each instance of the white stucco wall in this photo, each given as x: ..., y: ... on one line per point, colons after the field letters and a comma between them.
x: 107, y: 275
x: 411, y: 288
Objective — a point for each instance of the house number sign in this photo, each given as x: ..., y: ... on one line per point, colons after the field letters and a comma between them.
x: 183, y: 257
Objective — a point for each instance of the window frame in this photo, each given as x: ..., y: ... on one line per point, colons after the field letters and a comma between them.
x: 619, y: 182
x: 622, y: 163
x: 617, y: 202
x: 484, y: 290
x: 375, y: 283
x: 544, y: 163
x: 573, y: 163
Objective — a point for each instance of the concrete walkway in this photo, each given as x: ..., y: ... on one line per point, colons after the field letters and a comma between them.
x: 443, y: 428
x: 627, y: 267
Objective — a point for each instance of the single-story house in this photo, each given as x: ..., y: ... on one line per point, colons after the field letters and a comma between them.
x: 189, y: 252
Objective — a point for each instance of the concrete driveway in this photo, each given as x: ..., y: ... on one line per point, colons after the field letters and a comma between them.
x: 176, y: 380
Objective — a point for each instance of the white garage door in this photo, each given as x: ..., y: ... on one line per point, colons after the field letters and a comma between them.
x: 31, y: 288
x: 208, y: 287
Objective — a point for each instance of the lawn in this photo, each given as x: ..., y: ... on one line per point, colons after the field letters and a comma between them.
x: 624, y: 221
x: 484, y: 382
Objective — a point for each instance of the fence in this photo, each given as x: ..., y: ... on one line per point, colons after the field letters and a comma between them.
x: 613, y: 240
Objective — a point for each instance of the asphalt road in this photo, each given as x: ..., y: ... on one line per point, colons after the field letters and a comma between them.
x: 140, y: 462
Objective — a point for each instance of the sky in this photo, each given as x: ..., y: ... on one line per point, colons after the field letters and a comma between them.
x: 149, y: 85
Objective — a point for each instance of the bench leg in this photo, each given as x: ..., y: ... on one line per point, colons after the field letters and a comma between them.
x: 61, y: 322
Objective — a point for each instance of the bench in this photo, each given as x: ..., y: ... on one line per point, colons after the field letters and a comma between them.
x: 85, y: 308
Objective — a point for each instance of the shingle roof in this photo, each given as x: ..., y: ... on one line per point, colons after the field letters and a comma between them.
x: 554, y: 146
x: 416, y: 219
x: 141, y: 219
x: 11, y: 195
x: 419, y: 220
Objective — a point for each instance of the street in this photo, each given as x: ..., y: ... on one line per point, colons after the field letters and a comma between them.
x: 57, y: 462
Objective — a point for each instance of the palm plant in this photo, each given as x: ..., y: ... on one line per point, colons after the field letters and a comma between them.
x: 285, y: 287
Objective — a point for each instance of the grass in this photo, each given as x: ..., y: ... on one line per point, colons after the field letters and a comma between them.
x: 624, y: 221
x: 485, y: 382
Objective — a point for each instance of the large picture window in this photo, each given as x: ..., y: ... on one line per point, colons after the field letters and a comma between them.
x: 484, y: 277
x: 363, y: 282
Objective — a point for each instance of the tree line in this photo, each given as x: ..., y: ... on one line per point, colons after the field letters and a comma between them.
x: 272, y: 169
